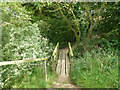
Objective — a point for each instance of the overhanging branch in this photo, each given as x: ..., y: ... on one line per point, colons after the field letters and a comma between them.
x: 65, y: 18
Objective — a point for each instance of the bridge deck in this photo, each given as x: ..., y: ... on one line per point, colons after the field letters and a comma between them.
x: 62, y: 69
x: 63, y: 64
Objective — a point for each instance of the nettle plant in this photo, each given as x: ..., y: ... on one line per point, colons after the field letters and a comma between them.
x: 25, y: 43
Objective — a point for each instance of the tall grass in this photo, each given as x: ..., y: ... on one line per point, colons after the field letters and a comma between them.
x: 36, y: 79
x: 96, y: 69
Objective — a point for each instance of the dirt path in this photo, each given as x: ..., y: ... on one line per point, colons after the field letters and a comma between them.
x: 63, y: 80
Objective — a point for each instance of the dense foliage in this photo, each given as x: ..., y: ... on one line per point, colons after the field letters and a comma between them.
x: 32, y: 29
x: 25, y: 43
x: 77, y: 22
x: 21, y: 42
x: 96, y: 69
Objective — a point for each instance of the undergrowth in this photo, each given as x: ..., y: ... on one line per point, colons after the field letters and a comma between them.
x: 96, y: 69
x: 36, y: 79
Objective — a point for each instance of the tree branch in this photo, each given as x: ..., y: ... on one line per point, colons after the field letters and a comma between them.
x: 89, y: 14
x: 76, y: 22
x: 99, y: 14
x: 92, y: 26
x: 96, y: 21
x: 65, y: 18
x: 54, y: 10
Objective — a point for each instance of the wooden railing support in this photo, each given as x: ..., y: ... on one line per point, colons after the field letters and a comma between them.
x: 53, y: 64
x: 0, y: 79
x: 28, y: 60
x: 55, y: 57
x: 44, y: 70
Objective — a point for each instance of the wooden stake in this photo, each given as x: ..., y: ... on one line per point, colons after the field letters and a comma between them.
x: 44, y: 70
x: 53, y: 63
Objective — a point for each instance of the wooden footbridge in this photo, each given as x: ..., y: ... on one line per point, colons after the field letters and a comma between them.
x: 61, y: 60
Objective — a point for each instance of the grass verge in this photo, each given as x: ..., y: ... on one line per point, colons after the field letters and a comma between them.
x: 36, y: 79
x: 96, y: 69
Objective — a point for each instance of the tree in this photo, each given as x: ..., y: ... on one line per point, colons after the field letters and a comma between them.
x: 83, y: 19
x: 13, y: 15
x: 90, y: 15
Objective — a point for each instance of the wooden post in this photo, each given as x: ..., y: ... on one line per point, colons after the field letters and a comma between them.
x: 44, y: 70
x: 0, y: 78
x: 54, y: 57
x: 53, y: 63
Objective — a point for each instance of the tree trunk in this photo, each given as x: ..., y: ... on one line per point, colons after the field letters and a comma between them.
x: 86, y: 43
x: 77, y: 39
x: 87, y: 39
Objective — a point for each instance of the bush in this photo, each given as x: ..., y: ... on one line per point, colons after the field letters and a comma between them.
x: 36, y: 79
x: 96, y: 69
x: 25, y: 43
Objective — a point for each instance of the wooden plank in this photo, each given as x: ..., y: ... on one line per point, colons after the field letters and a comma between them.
x: 53, y: 63
x: 44, y: 70
x: 67, y: 65
x: 58, y: 67
x: 59, y: 64
x: 20, y: 61
x: 63, y: 68
x: 60, y: 58
x: 63, y: 65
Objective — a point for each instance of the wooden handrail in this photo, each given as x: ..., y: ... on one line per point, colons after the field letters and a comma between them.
x: 20, y: 61
x: 55, y: 56
x: 70, y: 49
x: 28, y: 60
x: 70, y: 53
x: 55, y: 50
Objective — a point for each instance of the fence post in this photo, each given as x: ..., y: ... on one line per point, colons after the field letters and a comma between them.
x: 44, y: 70
x: 0, y: 78
x: 54, y: 57
x: 53, y: 63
